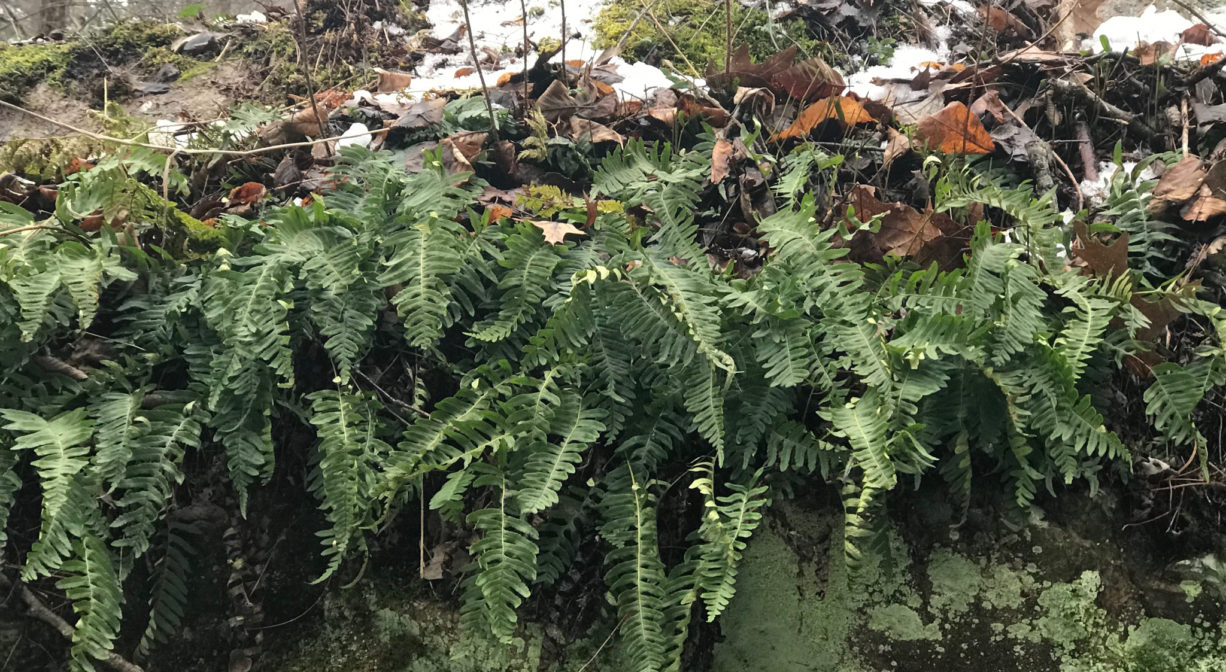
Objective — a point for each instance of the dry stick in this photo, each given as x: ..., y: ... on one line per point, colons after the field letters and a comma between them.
x: 565, y: 77
x: 523, y: 10
x: 36, y: 609
x: 728, y: 36
x: 485, y: 92
x: 1055, y: 157
x: 217, y: 152
x: 1086, y: 146
x: 306, y: 72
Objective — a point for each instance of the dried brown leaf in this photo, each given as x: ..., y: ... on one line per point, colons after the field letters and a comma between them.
x: 954, y: 130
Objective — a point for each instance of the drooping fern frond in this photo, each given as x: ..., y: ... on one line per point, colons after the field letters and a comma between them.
x: 550, y: 463
x: 635, y: 574
x: 61, y: 452
x: 169, y: 598
x: 1175, y: 393
x: 93, y: 586
x: 728, y: 522
x: 504, y: 561
x: 345, y: 477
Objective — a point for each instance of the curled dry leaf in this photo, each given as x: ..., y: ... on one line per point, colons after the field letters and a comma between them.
x: 247, y: 194
x: 715, y: 115
x: 556, y: 103
x: 498, y: 212
x: 465, y: 71
x: 809, y: 80
x: 1210, y: 198
x: 1199, y: 34
x: 897, y: 145
x: 1002, y: 21
x: 905, y: 232
x: 841, y: 110
x: 585, y: 128
x: 556, y: 232
x: 1179, y: 183
x: 721, y: 160
x: 468, y: 143
x: 954, y: 130
x: 391, y: 81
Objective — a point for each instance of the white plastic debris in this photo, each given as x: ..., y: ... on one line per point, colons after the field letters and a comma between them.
x: 253, y: 17
x: 167, y: 133
x: 358, y: 134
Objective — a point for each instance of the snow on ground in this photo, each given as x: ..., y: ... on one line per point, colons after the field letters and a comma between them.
x: 1152, y: 26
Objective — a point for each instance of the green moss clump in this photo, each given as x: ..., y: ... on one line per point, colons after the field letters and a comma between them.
x: 125, y: 41
x: 22, y: 67
x: 696, y: 27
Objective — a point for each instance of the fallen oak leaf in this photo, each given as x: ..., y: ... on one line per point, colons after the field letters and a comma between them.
x: 1198, y: 34
x: 1101, y: 260
x: 954, y: 130
x: 897, y: 145
x: 1179, y: 183
x: 391, y: 81
x: 497, y: 212
x: 1210, y: 198
x: 556, y: 232
x: 586, y: 128
x: 842, y: 110
x: 809, y: 80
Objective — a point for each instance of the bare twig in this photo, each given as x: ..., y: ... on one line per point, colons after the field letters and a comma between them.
x: 1080, y: 93
x: 485, y: 91
x: 562, y: 6
x: 523, y: 10
x: 306, y: 72
x: 1055, y: 157
x: 39, y: 611
x: 728, y: 36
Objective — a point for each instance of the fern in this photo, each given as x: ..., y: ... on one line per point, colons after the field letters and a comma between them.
x: 728, y: 522
x: 93, y: 587
x: 169, y: 599
x: 548, y: 465
x: 504, y: 559
x: 345, y: 479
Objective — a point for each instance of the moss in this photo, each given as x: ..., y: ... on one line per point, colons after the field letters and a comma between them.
x: 126, y: 41
x: 22, y: 67
x: 696, y: 27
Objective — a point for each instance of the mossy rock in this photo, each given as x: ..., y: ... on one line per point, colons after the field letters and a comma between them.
x: 22, y: 67
x: 697, y: 29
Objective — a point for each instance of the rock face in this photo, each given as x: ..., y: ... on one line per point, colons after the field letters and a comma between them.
x: 1042, y: 595
x: 1037, y: 600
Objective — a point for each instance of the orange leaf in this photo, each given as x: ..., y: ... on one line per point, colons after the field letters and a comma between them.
x: 464, y: 72
x: 504, y: 78
x: 498, y: 212
x: 247, y: 194
x: 77, y: 165
x: 840, y: 109
x: 555, y: 232
x: 577, y: 62
x: 954, y: 130
x: 1210, y: 59
x: 211, y: 222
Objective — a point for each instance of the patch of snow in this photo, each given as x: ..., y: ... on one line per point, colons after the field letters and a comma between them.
x: 389, y: 28
x: 640, y: 79
x: 254, y: 17
x: 358, y: 134
x: 961, y: 6
x: 889, y: 83
x: 1126, y: 32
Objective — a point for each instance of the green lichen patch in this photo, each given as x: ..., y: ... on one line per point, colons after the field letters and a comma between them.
x: 944, y: 610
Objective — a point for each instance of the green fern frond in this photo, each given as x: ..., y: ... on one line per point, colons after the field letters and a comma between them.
x: 345, y: 477
x: 549, y: 464
x: 169, y: 598
x: 728, y: 522
x: 504, y: 563
x: 93, y: 586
